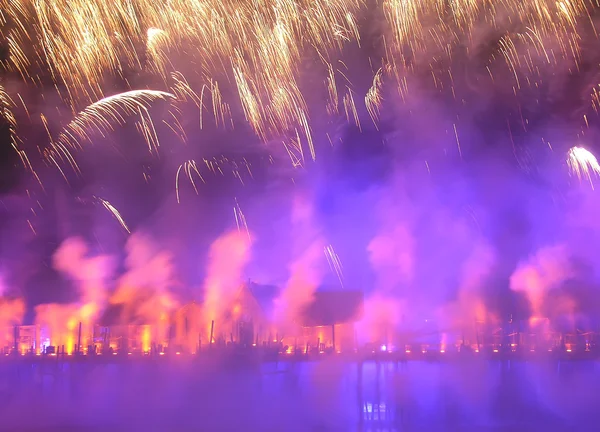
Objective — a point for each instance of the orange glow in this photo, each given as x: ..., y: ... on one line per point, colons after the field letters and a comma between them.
x: 146, y: 338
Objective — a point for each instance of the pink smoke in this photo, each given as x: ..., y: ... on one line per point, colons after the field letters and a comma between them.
x: 470, y: 308
x: 228, y: 256
x: 307, y: 267
x: 548, y: 269
x: 391, y: 254
x: 90, y: 275
x: 146, y: 288
x: 392, y: 257
x: 382, y: 317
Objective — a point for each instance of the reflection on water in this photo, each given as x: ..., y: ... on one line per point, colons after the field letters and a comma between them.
x: 466, y: 395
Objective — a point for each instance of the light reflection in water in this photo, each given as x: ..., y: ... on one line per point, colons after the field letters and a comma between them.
x: 466, y: 395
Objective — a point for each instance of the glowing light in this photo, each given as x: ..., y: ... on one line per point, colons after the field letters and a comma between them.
x: 583, y: 164
x: 146, y: 338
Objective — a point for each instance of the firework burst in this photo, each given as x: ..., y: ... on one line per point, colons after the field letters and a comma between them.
x: 583, y: 164
x: 249, y: 59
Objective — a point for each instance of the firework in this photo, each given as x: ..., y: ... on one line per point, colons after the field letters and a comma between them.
x: 257, y: 50
x: 240, y: 218
x: 334, y: 263
x: 373, y: 98
x: 102, y: 116
x: 583, y: 164
x: 157, y: 60
x: 189, y: 168
x: 350, y: 108
x: 6, y: 112
x: 116, y: 214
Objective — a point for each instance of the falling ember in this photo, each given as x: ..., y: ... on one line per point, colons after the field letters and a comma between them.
x: 334, y: 263
x: 583, y: 164
x: 5, y: 112
x: 189, y: 168
x: 240, y: 219
x: 373, y: 98
x: 350, y: 108
x: 333, y: 102
x: 117, y: 215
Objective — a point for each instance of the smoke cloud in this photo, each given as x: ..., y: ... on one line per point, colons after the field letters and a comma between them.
x: 470, y: 306
x: 543, y: 272
x: 11, y: 312
x: 228, y: 256
x: 307, y: 265
x: 90, y: 275
x: 146, y: 289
